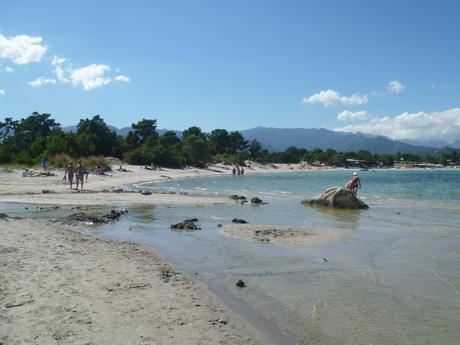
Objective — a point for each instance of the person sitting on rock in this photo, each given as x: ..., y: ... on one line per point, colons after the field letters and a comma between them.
x: 354, y: 183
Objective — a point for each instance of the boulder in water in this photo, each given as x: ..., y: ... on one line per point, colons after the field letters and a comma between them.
x: 239, y: 221
x: 186, y: 225
x: 337, y: 197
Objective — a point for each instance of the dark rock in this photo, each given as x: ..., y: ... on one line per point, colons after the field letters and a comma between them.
x: 117, y: 190
x: 78, y: 217
x: 240, y: 283
x: 219, y: 225
x: 4, y: 216
x: 114, y: 214
x: 337, y: 197
x: 45, y: 191
x: 256, y: 201
x: 146, y: 192
x: 237, y: 197
x: 186, y: 225
x: 239, y: 221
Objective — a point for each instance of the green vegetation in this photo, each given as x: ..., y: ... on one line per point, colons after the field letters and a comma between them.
x: 27, y: 141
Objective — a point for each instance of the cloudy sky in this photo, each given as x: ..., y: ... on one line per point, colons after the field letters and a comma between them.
x: 388, y: 67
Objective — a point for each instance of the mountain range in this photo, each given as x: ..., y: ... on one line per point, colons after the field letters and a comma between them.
x: 279, y: 139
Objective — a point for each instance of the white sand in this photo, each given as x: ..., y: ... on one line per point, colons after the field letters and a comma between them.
x: 62, y: 287
x: 15, y: 188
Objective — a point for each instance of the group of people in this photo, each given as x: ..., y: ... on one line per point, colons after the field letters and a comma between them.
x: 77, y: 172
x: 237, y: 170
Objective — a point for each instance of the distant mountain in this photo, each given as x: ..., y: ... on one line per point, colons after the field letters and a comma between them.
x: 121, y: 131
x: 430, y: 143
x: 279, y: 139
x: 455, y: 144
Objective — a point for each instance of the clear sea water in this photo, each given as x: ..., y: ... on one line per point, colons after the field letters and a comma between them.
x: 392, y: 278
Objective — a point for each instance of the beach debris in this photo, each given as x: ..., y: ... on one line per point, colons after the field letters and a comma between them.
x: 117, y: 190
x: 80, y: 217
x: 48, y: 208
x: 146, y: 192
x: 337, y: 197
x: 256, y: 201
x: 186, y: 225
x: 34, y: 173
x: 239, y: 221
x: 240, y: 283
x: 46, y: 191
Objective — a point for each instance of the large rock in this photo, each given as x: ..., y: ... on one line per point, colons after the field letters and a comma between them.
x: 337, y: 197
x: 186, y: 225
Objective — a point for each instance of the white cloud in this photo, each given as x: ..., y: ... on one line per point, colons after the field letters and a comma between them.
x: 396, y: 86
x: 122, y: 78
x: 90, y: 77
x: 2, y: 92
x: 9, y: 69
x: 22, y: 49
x: 443, y: 125
x: 349, y: 115
x: 60, y: 73
x: 330, y: 98
x: 40, y: 81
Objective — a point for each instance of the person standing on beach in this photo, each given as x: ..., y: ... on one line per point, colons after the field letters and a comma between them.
x: 354, y: 183
x: 80, y: 172
x: 44, y: 160
x: 70, y: 172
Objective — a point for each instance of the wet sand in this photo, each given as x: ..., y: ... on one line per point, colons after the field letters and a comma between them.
x: 59, y: 286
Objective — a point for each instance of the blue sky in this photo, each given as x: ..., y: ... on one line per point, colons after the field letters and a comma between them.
x: 237, y: 64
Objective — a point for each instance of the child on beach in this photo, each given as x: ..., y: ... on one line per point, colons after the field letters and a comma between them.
x: 354, y: 183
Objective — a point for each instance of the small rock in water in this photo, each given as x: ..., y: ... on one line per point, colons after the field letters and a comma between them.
x: 239, y: 221
x: 240, y: 283
x: 325, y: 260
x: 256, y: 201
x: 219, y: 225
x: 237, y: 197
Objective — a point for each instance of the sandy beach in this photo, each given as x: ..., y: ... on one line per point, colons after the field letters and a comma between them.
x: 99, y: 190
x: 59, y: 286
x: 62, y: 287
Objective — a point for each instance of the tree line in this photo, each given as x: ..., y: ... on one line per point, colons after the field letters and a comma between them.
x: 27, y: 140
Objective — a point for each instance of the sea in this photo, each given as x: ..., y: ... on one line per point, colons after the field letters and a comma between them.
x: 391, y: 277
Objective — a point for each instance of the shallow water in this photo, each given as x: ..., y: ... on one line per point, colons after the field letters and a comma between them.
x: 393, y: 278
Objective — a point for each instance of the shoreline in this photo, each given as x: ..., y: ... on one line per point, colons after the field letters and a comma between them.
x: 60, y: 286
x: 36, y: 250
x: 18, y: 189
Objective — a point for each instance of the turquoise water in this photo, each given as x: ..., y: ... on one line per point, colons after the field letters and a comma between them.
x: 392, y: 278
